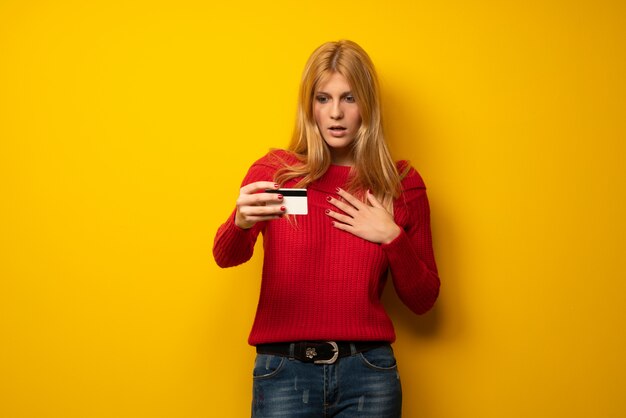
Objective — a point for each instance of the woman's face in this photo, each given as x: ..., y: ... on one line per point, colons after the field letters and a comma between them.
x: 337, y: 116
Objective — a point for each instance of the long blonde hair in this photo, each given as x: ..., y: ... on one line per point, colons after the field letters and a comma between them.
x: 373, y: 169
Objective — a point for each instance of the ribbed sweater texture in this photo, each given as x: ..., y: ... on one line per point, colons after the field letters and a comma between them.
x: 321, y: 283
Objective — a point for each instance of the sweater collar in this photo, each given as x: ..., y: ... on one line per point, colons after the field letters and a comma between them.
x: 335, y: 176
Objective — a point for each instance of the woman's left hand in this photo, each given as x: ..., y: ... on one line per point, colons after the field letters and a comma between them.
x: 370, y: 221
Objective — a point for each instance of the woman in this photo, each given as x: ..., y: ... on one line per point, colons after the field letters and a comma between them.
x: 322, y: 335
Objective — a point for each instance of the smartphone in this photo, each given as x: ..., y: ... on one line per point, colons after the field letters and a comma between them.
x: 294, y: 200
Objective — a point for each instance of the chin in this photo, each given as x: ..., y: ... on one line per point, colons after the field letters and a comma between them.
x: 338, y: 143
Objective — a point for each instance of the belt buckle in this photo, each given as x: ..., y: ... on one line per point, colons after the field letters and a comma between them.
x: 333, y: 358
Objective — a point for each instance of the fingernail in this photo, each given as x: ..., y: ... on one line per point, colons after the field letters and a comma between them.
x: 338, y: 189
x: 280, y: 196
x: 327, y: 211
x: 276, y: 186
x: 283, y: 208
x: 333, y: 223
x: 328, y: 198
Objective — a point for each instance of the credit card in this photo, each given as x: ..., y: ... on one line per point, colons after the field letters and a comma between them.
x: 294, y: 200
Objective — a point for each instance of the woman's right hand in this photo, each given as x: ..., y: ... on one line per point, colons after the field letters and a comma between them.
x: 252, y: 206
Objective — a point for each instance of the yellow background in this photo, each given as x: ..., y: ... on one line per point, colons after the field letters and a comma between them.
x: 126, y: 127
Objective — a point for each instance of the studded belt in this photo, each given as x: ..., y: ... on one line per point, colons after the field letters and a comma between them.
x: 318, y: 352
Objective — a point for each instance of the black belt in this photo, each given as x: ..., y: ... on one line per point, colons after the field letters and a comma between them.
x: 319, y: 352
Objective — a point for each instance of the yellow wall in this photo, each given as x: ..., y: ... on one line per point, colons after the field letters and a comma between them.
x: 126, y: 127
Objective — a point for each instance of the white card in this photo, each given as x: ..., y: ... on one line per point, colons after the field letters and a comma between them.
x: 294, y: 200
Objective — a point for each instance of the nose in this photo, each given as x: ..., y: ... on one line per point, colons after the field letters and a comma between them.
x: 336, y: 112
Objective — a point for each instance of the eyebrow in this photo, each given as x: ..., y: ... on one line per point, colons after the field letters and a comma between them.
x: 344, y: 94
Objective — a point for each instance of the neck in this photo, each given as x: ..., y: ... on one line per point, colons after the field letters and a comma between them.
x: 342, y: 156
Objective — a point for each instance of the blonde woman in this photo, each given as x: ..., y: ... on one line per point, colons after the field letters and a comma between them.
x: 321, y: 333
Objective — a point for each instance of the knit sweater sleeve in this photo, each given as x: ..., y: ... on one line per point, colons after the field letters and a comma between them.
x: 410, y: 255
x: 234, y: 245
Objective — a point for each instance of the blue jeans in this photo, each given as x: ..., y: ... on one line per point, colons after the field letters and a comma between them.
x: 361, y: 385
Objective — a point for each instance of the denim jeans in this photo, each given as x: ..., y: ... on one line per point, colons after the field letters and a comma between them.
x: 361, y: 385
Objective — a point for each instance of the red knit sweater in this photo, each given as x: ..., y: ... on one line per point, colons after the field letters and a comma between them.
x: 321, y: 283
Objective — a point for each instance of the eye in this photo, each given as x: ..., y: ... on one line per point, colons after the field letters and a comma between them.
x: 350, y: 99
x: 321, y: 99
